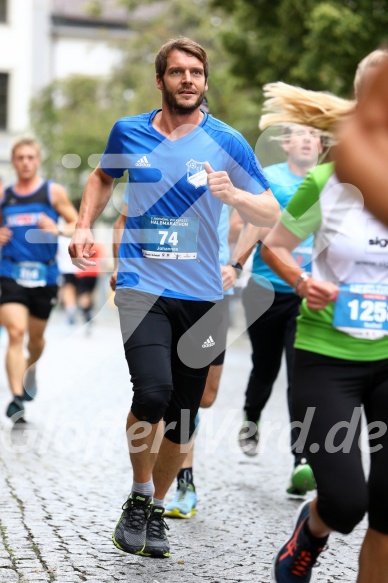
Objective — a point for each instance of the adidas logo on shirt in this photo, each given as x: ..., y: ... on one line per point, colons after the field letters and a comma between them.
x: 208, y: 343
x: 143, y: 162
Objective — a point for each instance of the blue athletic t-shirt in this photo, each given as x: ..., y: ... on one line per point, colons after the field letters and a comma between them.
x: 28, y: 243
x: 283, y: 184
x: 223, y: 232
x: 170, y: 244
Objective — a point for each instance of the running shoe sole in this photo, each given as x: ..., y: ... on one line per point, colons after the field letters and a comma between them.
x: 154, y: 555
x: 176, y: 513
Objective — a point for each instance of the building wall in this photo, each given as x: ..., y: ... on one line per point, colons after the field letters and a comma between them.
x: 16, y: 60
x: 38, y: 45
x: 79, y: 53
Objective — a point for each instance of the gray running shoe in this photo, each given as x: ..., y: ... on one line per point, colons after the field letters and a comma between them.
x: 130, y: 532
x: 248, y: 438
x: 157, y: 544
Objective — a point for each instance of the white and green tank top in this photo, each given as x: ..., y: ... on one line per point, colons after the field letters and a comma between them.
x: 350, y: 250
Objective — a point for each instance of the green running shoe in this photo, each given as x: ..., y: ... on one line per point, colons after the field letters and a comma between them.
x: 130, y: 532
x: 302, y: 480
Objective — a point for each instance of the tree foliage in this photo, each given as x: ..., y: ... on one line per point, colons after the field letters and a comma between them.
x: 74, y: 115
x: 312, y: 43
x: 195, y: 19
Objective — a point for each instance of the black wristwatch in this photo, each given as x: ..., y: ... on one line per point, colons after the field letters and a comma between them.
x: 237, y: 266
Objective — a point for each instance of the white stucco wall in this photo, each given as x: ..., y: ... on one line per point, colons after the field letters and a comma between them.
x: 83, y: 56
x: 34, y: 52
x: 16, y: 60
x: 25, y: 55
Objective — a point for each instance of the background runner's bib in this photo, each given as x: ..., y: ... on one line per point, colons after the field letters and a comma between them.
x: 30, y: 274
x: 29, y: 257
x: 361, y: 310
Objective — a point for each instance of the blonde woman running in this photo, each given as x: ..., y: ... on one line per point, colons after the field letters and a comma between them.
x: 341, y: 360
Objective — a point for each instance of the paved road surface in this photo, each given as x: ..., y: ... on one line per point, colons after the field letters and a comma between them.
x: 64, y: 477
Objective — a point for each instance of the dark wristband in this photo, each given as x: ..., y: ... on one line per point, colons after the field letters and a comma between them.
x: 237, y: 267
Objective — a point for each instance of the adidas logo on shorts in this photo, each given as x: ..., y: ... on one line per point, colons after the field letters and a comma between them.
x: 208, y: 343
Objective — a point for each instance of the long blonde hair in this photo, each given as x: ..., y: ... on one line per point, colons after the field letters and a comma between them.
x: 286, y: 104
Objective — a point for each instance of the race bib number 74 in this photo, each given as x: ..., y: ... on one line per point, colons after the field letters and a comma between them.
x: 169, y: 237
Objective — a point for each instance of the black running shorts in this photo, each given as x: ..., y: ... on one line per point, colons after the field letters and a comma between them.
x: 169, y: 345
x: 39, y: 300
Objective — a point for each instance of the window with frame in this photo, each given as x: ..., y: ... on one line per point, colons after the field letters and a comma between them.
x: 4, y: 83
x: 3, y: 10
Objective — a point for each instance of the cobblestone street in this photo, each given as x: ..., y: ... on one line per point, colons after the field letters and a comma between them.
x: 65, y: 475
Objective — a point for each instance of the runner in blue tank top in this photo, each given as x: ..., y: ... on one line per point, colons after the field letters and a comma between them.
x: 28, y: 270
x: 182, y: 166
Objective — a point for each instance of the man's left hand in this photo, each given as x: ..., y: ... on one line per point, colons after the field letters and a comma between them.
x: 220, y: 185
x: 229, y: 277
x: 80, y: 248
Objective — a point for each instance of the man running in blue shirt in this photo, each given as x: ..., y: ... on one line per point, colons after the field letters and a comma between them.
x: 183, y: 165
